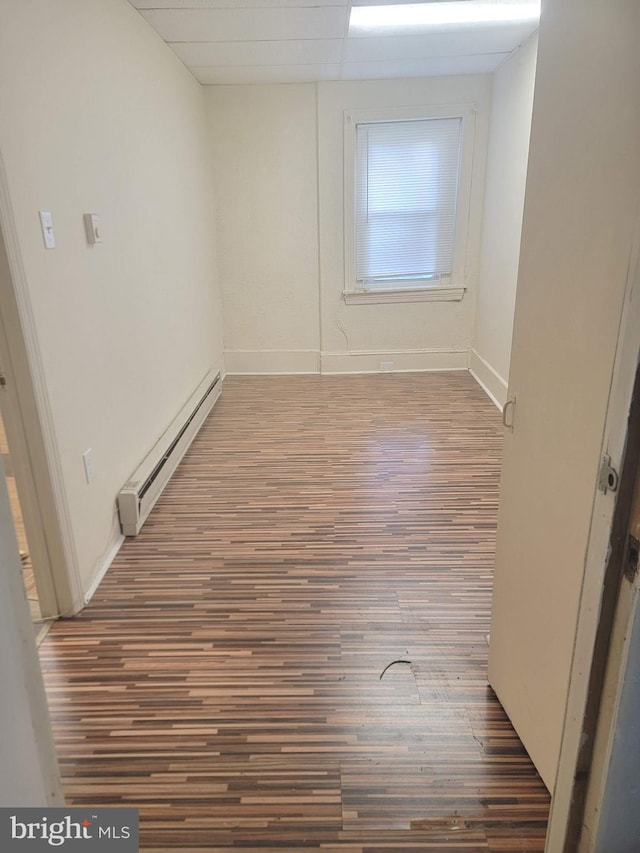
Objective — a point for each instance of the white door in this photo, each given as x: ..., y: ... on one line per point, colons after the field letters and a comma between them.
x: 583, y: 185
x: 28, y: 771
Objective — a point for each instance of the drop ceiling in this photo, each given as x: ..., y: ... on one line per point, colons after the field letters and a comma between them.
x: 294, y: 41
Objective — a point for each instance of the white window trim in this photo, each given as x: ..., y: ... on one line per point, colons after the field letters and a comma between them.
x: 455, y: 288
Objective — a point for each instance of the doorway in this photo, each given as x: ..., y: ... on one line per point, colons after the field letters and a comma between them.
x: 28, y: 575
x: 27, y: 424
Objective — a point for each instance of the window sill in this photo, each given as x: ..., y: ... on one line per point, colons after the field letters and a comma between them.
x: 423, y: 294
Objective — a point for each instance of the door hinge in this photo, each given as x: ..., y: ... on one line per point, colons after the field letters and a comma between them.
x: 608, y: 476
x: 3, y: 380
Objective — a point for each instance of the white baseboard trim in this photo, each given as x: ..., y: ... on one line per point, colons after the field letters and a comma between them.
x: 488, y: 379
x: 251, y: 362
x: 287, y: 362
x: 104, y: 563
x: 403, y: 361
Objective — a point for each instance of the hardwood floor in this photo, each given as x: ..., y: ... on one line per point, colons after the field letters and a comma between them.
x: 229, y: 675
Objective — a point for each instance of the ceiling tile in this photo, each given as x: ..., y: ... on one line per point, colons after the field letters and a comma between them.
x: 469, y: 42
x: 235, y: 41
x: 311, y: 52
x: 263, y: 24
x: 434, y: 66
x: 402, y: 2
x: 233, y: 4
x: 266, y: 74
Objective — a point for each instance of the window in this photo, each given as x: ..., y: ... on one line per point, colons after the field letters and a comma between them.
x: 407, y: 208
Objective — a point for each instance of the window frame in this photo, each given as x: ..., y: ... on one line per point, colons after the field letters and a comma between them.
x: 452, y: 291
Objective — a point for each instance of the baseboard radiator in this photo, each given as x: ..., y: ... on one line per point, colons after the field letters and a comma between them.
x: 138, y: 496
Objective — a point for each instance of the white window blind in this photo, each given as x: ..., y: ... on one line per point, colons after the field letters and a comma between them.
x: 406, y: 189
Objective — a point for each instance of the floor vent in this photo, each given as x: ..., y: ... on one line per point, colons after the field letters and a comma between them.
x: 138, y: 496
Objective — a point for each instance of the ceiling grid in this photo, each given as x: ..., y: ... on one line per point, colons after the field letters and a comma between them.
x: 294, y: 41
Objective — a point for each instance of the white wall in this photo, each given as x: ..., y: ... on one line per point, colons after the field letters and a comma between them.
x: 277, y: 154
x: 507, y: 156
x: 263, y: 146
x: 420, y: 335
x: 98, y: 116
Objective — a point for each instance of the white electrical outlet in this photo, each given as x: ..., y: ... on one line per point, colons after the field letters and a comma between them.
x: 386, y: 366
x: 92, y: 228
x: 89, y: 468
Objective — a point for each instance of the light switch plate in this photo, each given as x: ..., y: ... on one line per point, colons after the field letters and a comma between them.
x: 89, y: 468
x: 46, y: 223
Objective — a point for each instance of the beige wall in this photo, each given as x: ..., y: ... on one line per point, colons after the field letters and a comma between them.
x: 581, y: 203
x: 277, y: 154
x: 420, y: 335
x: 508, y: 151
x: 96, y: 115
x: 263, y: 146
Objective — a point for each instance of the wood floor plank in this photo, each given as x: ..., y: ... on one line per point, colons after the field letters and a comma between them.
x: 230, y: 675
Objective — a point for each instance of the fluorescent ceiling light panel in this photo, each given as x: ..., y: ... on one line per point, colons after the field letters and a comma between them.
x: 416, y: 17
